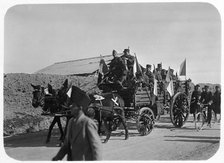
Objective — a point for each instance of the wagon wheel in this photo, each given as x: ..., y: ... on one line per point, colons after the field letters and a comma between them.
x: 145, y: 121
x: 179, y: 109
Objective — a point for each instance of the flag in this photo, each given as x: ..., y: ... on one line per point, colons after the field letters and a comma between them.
x: 137, y: 68
x: 103, y: 69
x: 170, y: 88
x: 168, y: 76
x: 155, y: 92
x: 69, y: 92
x: 154, y: 71
x: 183, y: 68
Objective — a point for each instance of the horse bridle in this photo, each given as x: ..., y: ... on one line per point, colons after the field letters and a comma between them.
x: 40, y: 99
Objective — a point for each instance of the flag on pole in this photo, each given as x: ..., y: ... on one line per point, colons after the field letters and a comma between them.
x: 168, y: 76
x: 183, y: 68
x: 154, y: 71
x: 170, y: 88
x: 103, y: 69
x: 155, y: 92
x: 136, y: 67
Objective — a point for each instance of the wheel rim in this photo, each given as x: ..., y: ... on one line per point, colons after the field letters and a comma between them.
x: 145, y: 122
x: 179, y: 109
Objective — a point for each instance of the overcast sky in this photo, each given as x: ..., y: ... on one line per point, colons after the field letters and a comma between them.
x: 37, y: 36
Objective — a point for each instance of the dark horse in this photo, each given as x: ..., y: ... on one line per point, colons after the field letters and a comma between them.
x: 50, y: 102
x: 108, y: 108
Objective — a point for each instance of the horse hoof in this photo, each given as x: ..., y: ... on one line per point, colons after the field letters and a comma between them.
x: 126, y: 137
x: 105, y: 141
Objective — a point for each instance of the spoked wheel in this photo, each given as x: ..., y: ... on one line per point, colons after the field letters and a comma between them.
x: 179, y: 109
x: 145, y: 121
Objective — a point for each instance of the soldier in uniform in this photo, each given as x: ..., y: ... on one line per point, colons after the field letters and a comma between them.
x: 195, y: 98
x: 216, y: 105
x: 129, y: 62
x: 117, y: 69
x: 158, y: 72
x: 206, y: 98
x: 149, y: 73
x: 150, y: 76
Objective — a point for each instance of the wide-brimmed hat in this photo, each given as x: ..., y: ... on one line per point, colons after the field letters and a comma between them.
x: 79, y: 97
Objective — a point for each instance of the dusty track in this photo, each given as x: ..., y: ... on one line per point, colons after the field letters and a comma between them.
x: 164, y: 143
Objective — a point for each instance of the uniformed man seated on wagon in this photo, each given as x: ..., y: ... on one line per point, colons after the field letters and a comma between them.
x: 117, y: 71
x: 149, y: 73
x: 129, y: 62
x: 150, y: 77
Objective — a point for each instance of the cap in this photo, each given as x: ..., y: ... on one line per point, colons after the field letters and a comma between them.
x: 197, y: 85
x: 159, y: 65
x: 126, y: 50
x: 148, y: 65
x: 206, y: 86
x: 79, y: 97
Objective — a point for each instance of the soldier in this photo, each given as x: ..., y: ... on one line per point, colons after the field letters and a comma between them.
x: 117, y: 69
x: 216, y: 102
x: 206, y: 99
x: 129, y: 61
x: 173, y: 77
x: 149, y: 73
x: 150, y: 76
x: 158, y: 72
x: 195, y: 98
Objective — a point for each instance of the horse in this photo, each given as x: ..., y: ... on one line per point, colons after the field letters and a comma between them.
x: 47, y: 99
x: 108, y: 108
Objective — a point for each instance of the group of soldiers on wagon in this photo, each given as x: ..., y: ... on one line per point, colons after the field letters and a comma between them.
x: 121, y: 75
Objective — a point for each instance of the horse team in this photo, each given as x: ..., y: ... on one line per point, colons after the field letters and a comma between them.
x: 57, y: 102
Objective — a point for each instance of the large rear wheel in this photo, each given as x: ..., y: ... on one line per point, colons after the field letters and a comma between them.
x: 179, y: 109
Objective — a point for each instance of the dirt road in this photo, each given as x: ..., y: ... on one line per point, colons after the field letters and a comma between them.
x: 164, y: 143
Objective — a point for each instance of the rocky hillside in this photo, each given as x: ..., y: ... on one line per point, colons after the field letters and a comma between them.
x: 19, y: 114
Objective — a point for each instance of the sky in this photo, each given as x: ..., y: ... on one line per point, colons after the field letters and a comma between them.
x: 37, y: 36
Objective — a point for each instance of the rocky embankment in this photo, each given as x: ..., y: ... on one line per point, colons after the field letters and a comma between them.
x: 19, y: 114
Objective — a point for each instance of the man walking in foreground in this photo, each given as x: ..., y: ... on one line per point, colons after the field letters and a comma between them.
x: 82, y: 141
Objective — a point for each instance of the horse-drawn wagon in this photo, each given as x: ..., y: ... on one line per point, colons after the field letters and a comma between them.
x: 118, y: 104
